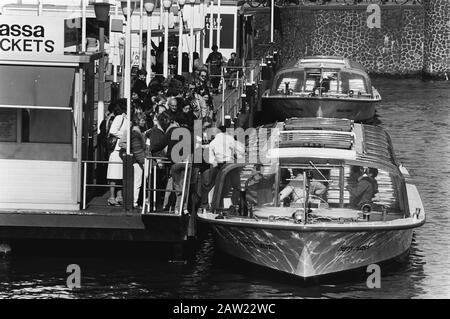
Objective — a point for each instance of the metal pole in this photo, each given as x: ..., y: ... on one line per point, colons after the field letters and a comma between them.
x: 154, y: 185
x: 223, y: 95
x: 272, y: 8
x: 211, y: 24
x: 116, y: 46
x: 84, y: 184
x: 166, y: 43
x: 180, y: 42
x: 184, y: 187
x: 161, y: 12
x: 305, y: 191
x: 191, y: 36
x: 144, y: 186
x: 202, y: 15
x: 101, y: 78
x: 218, y: 23
x: 83, y: 26
x: 141, y: 26
x: 149, y: 48
x: 127, y: 82
x: 40, y: 7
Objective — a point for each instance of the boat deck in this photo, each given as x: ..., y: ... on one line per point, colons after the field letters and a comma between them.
x: 97, y: 222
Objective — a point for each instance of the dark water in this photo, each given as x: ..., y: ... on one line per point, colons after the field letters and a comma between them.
x: 415, y: 113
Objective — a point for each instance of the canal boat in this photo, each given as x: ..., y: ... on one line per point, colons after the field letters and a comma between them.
x: 298, y: 211
x: 320, y: 86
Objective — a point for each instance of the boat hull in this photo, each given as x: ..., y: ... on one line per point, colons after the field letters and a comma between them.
x: 283, y: 107
x: 311, y: 254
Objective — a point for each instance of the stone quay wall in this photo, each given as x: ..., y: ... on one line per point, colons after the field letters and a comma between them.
x: 407, y: 40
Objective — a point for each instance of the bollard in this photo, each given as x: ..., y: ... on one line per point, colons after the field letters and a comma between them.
x: 128, y: 181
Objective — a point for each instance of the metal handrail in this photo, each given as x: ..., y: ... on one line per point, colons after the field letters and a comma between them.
x: 85, y: 184
x: 231, y: 104
x: 149, y: 162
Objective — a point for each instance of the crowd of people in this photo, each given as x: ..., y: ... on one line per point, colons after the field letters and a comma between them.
x: 156, y: 109
x: 163, y: 105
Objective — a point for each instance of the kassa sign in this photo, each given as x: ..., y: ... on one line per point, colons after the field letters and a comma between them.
x: 31, y: 34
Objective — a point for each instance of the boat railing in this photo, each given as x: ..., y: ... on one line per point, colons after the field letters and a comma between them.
x: 85, y: 184
x: 149, y: 185
x: 234, y: 89
x: 321, y: 93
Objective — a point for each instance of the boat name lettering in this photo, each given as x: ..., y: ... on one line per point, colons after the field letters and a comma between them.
x: 345, y: 248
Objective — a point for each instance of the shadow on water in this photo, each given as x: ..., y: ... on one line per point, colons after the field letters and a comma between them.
x: 92, y: 249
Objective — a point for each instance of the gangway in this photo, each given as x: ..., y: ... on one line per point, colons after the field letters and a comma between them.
x: 239, y: 93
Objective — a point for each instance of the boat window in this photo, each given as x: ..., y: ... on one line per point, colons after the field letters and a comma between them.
x: 324, y: 79
x: 312, y: 79
x: 329, y: 187
x: 386, y: 194
x: 329, y: 81
x: 256, y: 180
x: 292, y: 191
x: 353, y: 82
x: 295, y: 80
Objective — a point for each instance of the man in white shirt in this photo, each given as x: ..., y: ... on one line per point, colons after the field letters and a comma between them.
x: 223, y: 149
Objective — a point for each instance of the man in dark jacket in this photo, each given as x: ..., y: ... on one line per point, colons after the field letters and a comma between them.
x: 158, y: 143
x: 215, y: 61
x: 366, y: 188
x: 140, y: 86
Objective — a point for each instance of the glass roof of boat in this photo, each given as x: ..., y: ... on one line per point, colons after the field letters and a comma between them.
x: 339, y: 138
x: 323, y: 60
x: 327, y: 61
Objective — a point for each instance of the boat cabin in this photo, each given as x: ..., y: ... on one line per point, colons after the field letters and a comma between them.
x: 322, y: 76
x: 319, y: 162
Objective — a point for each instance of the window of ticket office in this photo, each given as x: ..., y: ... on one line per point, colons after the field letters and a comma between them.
x: 26, y: 87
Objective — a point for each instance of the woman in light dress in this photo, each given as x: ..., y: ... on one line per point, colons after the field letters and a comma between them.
x: 115, y: 170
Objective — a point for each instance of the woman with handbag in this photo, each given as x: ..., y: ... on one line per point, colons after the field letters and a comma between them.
x: 115, y: 171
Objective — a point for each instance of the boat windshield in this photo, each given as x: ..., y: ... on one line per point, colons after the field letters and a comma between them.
x: 343, y: 186
x: 321, y: 80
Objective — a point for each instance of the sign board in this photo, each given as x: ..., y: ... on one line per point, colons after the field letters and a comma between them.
x: 227, y: 30
x: 135, y: 58
x: 35, y: 35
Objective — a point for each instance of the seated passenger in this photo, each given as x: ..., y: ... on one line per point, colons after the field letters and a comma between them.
x: 356, y: 173
x: 295, y: 189
x: 364, y: 191
x: 259, y: 187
